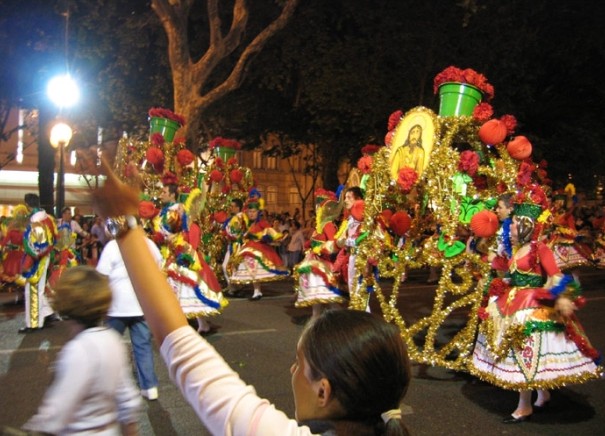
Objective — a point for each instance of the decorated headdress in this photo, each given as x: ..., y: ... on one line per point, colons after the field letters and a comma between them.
x: 530, y: 202
x: 327, y: 208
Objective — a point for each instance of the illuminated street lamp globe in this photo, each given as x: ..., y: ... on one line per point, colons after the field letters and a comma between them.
x: 60, y: 134
x: 63, y: 91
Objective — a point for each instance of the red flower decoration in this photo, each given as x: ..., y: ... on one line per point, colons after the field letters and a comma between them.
x: 185, y: 157
x: 179, y: 141
x: 470, y: 76
x: 185, y: 189
x: 370, y: 149
x: 493, y: 132
x: 169, y: 178
x: 469, y: 162
x: 160, y: 112
x: 236, y: 176
x: 157, y: 139
x: 406, y: 178
x: 216, y: 176
x: 225, y: 189
x: 388, y: 138
x: 224, y: 143
x: 400, y: 223
x: 154, y: 156
x: 394, y: 119
x: 524, y: 173
x: 364, y: 164
x: 498, y: 287
x: 358, y: 209
x: 510, y: 122
x: 220, y: 216
x: 147, y: 210
x: 232, y: 161
x: 538, y: 196
x: 483, y: 112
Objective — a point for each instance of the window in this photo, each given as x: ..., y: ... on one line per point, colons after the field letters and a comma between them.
x: 257, y: 159
x: 271, y: 195
x: 271, y: 163
x: 293, y: 197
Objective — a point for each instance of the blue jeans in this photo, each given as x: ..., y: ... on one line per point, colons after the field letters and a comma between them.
x: 140, y: 336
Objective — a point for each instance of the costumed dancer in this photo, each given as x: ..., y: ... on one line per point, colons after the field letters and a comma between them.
x: 346, y: 239
x: 64, y: 252
x: 12, y: 246
x: 233, y: 230
x: 193, y: 281
x: 562, y: 239
x: 256, y: 260
x: 529, y: 338
x: 38, y: 241
x: 317, y: 284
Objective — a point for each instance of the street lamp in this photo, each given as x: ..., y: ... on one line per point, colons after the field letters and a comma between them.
x: 60, y: 135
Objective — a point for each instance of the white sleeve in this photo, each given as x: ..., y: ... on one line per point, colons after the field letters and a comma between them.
x: 224, y: 403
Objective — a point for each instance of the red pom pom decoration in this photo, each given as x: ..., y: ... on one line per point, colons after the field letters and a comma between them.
x: 216, y: 176
x: 147, y: 210
x: 400, y: 223
x: 220, y: 216
x: 519, y: 148
x: 236, y: 176
x: 357, y: 209
x: 185, y: 157
x: 154, y: 156
x: 485, y: 224
x: 493, y: 132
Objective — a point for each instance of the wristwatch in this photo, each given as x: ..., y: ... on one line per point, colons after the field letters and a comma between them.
x: 120, y: 225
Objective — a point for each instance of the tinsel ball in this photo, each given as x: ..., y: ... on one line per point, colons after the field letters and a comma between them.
x: 492, y: 132
x: 519, y: 148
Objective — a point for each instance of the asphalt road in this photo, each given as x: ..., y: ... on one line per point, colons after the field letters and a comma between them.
x: 258, y: 340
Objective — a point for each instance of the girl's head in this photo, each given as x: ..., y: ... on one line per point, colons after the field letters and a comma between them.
x: 350, y: 365
x: 82, y: 294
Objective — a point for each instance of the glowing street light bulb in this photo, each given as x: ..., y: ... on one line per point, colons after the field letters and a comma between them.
x: 63, y: 91
x: 60, y: 134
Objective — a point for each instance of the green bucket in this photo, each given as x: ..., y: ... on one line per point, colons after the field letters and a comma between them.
x: 166, y: 127
x: 225, y: 153
x: 458, y: 99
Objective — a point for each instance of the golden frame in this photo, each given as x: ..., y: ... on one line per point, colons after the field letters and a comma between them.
x: 417, y: 118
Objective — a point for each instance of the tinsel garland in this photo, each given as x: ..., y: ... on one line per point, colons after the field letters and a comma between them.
x: 434, y: 192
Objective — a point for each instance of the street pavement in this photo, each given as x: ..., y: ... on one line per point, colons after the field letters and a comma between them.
x: 258, y: 339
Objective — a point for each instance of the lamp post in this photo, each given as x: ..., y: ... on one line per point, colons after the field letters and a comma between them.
x: 60, y: 135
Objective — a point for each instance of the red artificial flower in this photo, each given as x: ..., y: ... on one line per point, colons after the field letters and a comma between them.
x: 160, y: 112
x: 498, y: 287
x: 185, y: 157
x: 185, y: 189
x: 224, y: 143
x: 470, y: 76
x: 169, y: 178
x: 501, y: 187
x: 364, y: 164
x: 406, y: 178
x: 232, y: 161
x: 511, y: 123
x: 147, y: 210
x: 236, y: 176
x: 538, y: 196
x: 179, y: 141
x: 323, y: 194
x: 154, y: 156
x: 524, y: 173
x: 483, y: 112
x: 216, y: 176
x: 157, y: 139
x: 218, y: 161
x: 370, y: 149
x: 394, y: 119
x: 220, y: 216
x: 469, y: 162
x: 543, y: 164
x: 400, y: 222
x: 225, y: 189
x: 388, y: 138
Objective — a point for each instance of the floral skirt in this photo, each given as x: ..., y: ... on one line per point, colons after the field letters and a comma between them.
x: 256, y: 262
x: 528, y: 350
x: 317, y: 284
x: 194, y: 295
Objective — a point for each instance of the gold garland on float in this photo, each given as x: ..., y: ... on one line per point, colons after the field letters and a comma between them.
x: 440, y: 197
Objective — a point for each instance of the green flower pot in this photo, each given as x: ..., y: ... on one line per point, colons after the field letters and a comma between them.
x: 166, y: 127
x: 458, y: 99
x: 225, y: 153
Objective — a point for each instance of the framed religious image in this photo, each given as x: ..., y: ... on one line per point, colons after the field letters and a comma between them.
x: 413, y: 141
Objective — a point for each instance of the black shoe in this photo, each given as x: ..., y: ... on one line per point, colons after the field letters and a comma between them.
x: 512, y: 420
x: 256, y: 297
x: 24, y: 330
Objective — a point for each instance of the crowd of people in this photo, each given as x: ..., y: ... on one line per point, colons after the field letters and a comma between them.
x: 528, y: 286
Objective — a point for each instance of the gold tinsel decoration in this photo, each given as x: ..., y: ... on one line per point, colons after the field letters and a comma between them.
x: 434, y: 200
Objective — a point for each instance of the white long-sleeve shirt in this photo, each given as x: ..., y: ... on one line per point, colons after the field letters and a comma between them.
x: 224, y: 403
x: 93, y: 391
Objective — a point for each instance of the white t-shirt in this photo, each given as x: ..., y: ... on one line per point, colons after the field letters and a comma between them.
x: 124, y: 302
